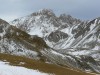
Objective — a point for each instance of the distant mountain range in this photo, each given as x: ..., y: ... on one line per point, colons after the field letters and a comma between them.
x: 61, y: 40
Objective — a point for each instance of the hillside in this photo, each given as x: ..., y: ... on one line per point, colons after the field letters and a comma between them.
x: 38, y: 65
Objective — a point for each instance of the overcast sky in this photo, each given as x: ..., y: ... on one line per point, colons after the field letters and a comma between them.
x: 83, y: 9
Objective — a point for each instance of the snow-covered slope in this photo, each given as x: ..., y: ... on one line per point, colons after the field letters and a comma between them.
x: 39, y: 23
x: 6, y: 69
x: 44, y: 22
x: 82, y: 36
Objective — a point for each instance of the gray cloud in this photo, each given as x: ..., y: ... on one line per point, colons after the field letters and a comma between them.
x: 83, y: 9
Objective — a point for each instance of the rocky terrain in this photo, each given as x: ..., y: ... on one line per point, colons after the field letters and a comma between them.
x: 60, y: 40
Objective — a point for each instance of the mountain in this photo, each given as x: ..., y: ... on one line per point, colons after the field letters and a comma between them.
x: 63, y: 40
x: 60, y: 32
x: 44, y: 22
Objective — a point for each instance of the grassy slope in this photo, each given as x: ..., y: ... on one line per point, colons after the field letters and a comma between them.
x: 41, y: 66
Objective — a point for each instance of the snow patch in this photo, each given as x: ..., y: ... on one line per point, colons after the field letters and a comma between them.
x: 6, y: 69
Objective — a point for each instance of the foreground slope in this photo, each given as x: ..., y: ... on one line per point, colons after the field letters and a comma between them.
x: 34, y: 65
x: 6, y: 69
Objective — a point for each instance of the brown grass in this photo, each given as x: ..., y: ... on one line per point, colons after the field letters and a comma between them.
x: 38, y: 65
